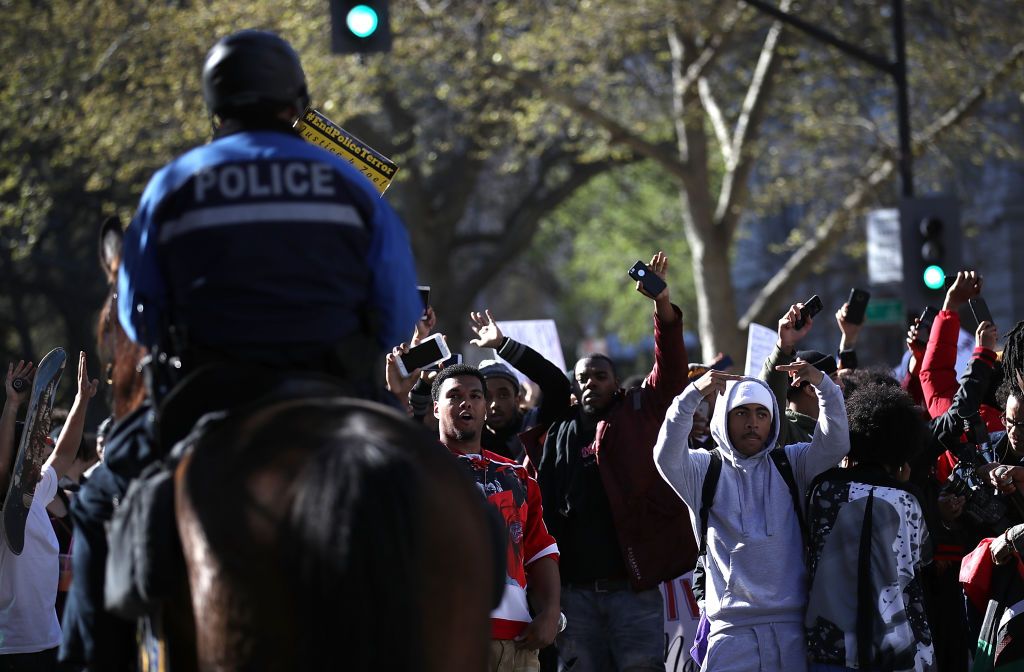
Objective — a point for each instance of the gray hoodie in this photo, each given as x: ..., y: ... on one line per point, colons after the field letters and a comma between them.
x: 755, y: 563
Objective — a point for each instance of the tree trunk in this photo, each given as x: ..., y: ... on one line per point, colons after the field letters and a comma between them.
x: 716, y: 302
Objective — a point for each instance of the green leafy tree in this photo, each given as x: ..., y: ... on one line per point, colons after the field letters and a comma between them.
x: 743, y: 114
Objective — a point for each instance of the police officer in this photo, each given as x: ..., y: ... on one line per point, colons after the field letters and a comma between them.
x: 259, y: 246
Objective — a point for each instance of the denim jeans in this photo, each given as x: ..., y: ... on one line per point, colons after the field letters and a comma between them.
x: 612, y: 630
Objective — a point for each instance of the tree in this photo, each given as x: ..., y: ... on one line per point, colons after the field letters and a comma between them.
x: 497, y: 112
x: 87, y: 120
x: 724, y: 78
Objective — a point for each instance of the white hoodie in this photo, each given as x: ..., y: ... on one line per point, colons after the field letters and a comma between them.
x: 755, y: 565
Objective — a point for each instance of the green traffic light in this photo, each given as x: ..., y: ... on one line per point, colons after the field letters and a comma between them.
x: 934, y: 277
x: 362, y: 21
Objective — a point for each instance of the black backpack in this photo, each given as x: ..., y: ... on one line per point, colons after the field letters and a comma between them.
x: 707, y: 493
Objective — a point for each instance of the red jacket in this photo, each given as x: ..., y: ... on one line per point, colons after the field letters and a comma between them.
x: 938, y: 369
x: 652, y: 523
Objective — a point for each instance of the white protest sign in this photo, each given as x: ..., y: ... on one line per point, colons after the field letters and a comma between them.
x: 885, y: 257
x: 964, y: 351
x: 681, y: 616
x: 760, y: 343
x: 541, y: 335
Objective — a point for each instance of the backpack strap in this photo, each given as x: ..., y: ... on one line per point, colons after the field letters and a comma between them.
x: 866, y: 608
x: 782, y: 463
x: 707, y: 496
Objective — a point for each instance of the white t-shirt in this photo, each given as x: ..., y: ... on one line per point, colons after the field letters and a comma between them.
x: 28, y: 582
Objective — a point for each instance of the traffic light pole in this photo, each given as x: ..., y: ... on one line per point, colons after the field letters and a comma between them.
x: 896, y: 69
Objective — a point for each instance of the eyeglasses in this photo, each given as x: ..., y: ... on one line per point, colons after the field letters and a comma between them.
x: 1011, y: 424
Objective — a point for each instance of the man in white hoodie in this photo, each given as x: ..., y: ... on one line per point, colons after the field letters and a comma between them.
x: 756, y: 575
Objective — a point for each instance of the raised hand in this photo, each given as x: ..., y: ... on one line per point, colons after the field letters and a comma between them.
x: 24, y: 371
x: 424, y: 326
x: 966, y: 286
x: 86, y: 387
x: 488, y: 334
x: 713, y: 382
x: 802, y: 371
x: 789, y: 335
x: 397, y: 384
x: 986, y: 336
x: 913, y: 345
x: 849, y: 330
x: 658, y: 266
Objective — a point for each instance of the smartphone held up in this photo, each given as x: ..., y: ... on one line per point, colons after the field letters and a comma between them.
x: 648, y: 279
x: 857, y: 305
x: 432, y: 350
x: 811, y: 307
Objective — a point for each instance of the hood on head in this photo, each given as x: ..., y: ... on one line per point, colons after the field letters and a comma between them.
x: 720, y: 424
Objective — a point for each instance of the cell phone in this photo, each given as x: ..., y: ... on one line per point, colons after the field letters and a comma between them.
x: 425, y: 296
x: 812, y: 307
x: 857, y: 305
x: 431, y: 350
x: 925, y: 321
x: 651, y: 283
x: 980, y: 310
x: 724, y: 363
x: 456, y: 358
x: 927, y: 317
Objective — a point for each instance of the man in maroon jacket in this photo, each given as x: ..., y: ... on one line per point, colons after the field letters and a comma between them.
x: 620, y: 529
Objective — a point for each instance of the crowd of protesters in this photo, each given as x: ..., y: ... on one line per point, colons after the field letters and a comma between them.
x: 834, y: 516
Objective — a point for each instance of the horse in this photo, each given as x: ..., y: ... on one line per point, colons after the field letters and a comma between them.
x: 316, y: 528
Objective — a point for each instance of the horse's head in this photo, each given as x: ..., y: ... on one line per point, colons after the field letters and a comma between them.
x: 318, y: 526
x: 119, y: 356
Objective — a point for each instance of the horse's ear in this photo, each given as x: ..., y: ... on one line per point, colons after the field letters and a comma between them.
x: 111, y: 239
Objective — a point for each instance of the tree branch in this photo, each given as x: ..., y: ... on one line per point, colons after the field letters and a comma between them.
x: 817, y: 247
x: 707, y: 99
x: 969, y: 102
x: 696, y: 69
x: 660, y: 153
x: 523, y: 222
x: 735, y: 181
x: 878, y: 169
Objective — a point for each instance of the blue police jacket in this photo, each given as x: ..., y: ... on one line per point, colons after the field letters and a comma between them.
x: 260, y: 237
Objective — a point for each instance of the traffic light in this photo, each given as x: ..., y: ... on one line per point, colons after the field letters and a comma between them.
x: 931, y: 242
x: 360, y: 27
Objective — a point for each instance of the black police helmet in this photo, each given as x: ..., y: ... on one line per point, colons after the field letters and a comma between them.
x: 252, y: 69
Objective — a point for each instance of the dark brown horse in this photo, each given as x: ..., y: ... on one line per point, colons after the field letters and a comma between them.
x: 318, y: 531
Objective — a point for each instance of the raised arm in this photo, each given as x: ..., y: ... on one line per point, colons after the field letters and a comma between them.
x: 554, y: 386
x: 14, y: 401
x: 682, y: 468
x: 782, y: 355
x: 831, y: 440
x: 71, y: 434
x: 668, y: 375
x: 848, y: 339
x: 938, y: 366
x: 911, y: 381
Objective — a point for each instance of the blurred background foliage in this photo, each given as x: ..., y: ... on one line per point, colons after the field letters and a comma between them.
x: 544, y: 146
